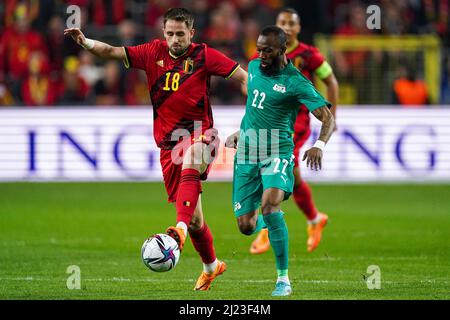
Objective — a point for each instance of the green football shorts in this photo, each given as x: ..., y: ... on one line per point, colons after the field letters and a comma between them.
x: 250, y: 180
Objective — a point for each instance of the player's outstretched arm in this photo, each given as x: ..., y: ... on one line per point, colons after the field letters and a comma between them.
x: 98, y: 48
x: 332, y: 92
x: 314, y: 155
x: 241, y: 76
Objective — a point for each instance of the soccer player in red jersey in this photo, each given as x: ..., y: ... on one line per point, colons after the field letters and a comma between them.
x: 178, y: 73
x: 312, y: 64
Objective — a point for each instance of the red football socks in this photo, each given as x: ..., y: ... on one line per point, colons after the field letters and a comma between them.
x: 187, y: 195
x: 303, y: 197
x: 202, y: 240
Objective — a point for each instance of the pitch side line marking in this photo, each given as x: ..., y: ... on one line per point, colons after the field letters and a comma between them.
x: 188, y: 280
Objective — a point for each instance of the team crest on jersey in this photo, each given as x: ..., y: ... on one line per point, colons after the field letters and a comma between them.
x: 160, y: 63
x: 188, y: 65
x: 279, y: 88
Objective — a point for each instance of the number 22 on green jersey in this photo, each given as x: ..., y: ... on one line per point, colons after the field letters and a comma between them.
x: 258, y: 99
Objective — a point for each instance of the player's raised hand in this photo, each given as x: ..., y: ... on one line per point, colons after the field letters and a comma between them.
x: 76, y: 35
x: 313, y: 158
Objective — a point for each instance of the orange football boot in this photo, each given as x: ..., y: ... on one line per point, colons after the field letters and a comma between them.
x: 315, y: 232
x: 205, y: 279
x: 261, y: 244
x: 178, y: 235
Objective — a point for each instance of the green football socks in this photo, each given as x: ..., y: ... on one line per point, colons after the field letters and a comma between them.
x: 278, y: 235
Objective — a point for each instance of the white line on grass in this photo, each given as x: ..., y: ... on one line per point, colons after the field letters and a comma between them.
x: 181, y: 280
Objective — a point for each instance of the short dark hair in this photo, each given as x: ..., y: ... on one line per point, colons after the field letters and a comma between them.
x: 277, y: 32
x: 180, y: 14
x: 291, y: 11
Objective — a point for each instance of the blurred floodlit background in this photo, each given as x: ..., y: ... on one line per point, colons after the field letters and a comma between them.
x: 39, y: 66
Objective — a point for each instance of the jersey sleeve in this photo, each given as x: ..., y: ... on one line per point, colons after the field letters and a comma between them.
x: 305, y: 93
x: 219, y: 64
x: 316, y: 59
x: 139, y: 56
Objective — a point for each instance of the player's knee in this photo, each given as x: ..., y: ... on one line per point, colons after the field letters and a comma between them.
x: 246, y: 228
x: 271, y: 206
x: 193, y: 158
x: 271, y: 201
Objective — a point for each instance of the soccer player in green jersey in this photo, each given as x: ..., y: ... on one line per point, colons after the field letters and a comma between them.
x: 263, y: 165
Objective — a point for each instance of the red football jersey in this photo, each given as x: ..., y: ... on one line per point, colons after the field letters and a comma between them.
x: 179, y: 87
x: 307, y: 59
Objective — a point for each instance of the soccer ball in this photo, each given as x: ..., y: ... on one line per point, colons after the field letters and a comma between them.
x: 160, y: 252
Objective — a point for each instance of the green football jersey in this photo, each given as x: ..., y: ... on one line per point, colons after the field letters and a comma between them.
x: 272, y: 105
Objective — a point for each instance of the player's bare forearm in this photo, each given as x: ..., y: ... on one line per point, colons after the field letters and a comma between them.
x: 241, y: 76
x: 98, y: 48
x: 106, y: 51
x: 244, y: 89
x: 313, y: 156
x: 324, y: 115
x: 332, y: 92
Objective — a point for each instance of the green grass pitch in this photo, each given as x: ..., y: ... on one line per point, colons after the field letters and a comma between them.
x: 100, y: 227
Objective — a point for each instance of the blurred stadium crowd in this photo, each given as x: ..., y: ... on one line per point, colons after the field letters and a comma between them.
x: 39, y: 66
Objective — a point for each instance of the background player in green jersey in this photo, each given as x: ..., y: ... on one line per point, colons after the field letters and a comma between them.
x: 263, y: 170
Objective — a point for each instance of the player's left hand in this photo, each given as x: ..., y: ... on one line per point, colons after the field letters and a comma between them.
x: 313, y: 158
